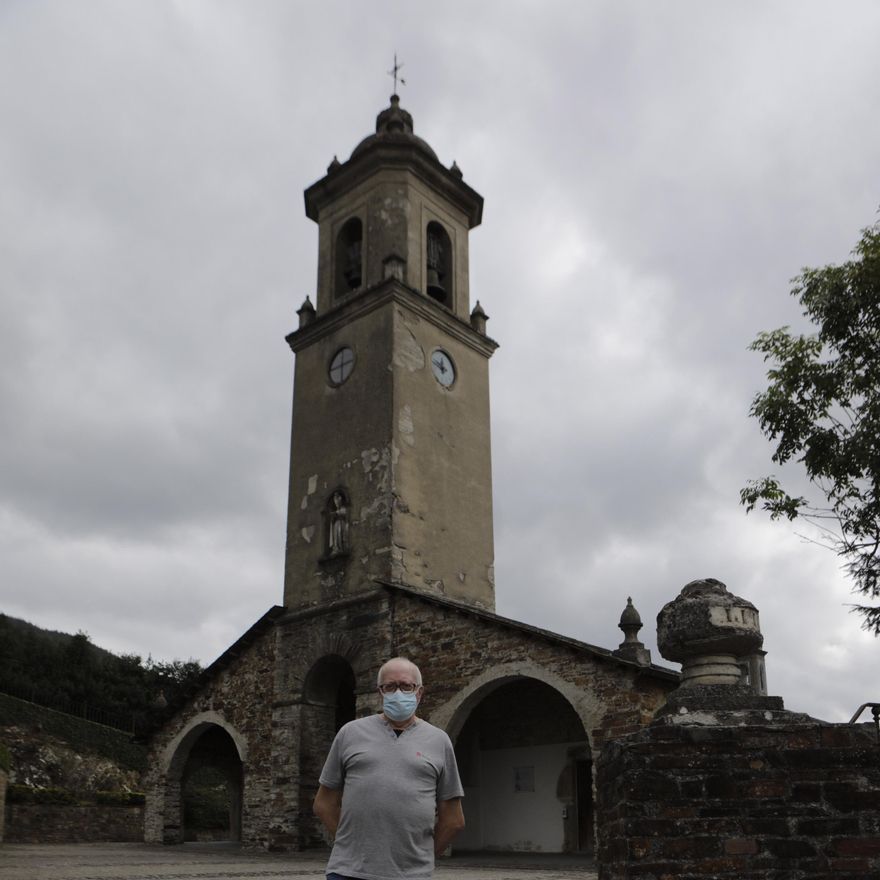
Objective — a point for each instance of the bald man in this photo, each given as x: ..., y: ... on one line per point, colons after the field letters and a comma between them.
x: 390, y: 790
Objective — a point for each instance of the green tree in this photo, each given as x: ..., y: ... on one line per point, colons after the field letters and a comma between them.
x: 822, y: 408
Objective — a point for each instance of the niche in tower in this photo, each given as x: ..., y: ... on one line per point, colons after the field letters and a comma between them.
x: 439, y: 263
x: 349, y: 257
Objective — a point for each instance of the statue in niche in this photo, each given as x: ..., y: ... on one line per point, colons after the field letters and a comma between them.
x: 338, y: 521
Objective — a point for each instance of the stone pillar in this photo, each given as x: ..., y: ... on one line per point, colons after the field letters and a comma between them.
x: 3, y: 782
x: 724, y: 783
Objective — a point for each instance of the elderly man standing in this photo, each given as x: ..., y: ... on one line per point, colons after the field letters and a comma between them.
x: 390, y: 789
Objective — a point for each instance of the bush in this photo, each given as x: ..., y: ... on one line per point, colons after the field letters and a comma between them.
x: 24, y: 794
x: 5, y: 759
x: 120, y: 798
x: 19, y: 794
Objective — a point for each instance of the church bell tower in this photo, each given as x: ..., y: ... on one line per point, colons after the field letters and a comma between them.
x: 390, y: 474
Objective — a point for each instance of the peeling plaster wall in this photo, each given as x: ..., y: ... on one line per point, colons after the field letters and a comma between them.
x: 442, y: 529
x: 341, y: 438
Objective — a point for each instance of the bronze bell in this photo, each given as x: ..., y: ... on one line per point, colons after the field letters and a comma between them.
x: 435, y: 288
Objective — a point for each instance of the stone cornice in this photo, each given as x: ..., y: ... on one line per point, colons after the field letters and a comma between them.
x: 405, y: 154
x: 391, y: 290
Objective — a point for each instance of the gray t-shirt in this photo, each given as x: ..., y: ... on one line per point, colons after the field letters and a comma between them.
x: 390, y: 788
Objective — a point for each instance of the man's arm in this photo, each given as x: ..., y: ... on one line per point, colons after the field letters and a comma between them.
x: 328, y: 806
x: 450, y: 820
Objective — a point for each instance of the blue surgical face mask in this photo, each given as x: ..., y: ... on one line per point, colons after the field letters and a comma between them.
x: 399, y: 706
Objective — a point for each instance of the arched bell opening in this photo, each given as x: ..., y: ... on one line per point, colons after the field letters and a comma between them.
x: 328, y: 703
x: 526, y: 767
x: 211, y: 786
x: 349, y: 257
x: 438, y: 260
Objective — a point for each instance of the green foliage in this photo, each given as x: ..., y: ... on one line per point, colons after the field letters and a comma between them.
x: 822, y: 409
x: 206, y: 801
x: 24, y: 794
x: 5, y: 758
x: 71, y: 674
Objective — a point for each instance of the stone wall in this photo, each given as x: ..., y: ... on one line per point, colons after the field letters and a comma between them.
x: 73, y: 823
x: 790, y: 800
x: 280, y: 697
x: 237, y: 697
x: 463, y: 653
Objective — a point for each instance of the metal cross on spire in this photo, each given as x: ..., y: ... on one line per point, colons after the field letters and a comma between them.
x: 394, y: 73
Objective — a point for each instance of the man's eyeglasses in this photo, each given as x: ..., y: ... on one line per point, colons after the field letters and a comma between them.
x: 404, y: 687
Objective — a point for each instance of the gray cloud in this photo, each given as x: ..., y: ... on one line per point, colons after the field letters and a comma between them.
x: 653, y: 178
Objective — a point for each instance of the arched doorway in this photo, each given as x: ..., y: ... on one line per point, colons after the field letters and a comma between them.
x: 526, y: 767
x: 328, y: 702
x: 204, y: 787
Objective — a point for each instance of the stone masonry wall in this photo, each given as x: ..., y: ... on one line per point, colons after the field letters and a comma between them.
x: 455, y: 649
x: 72, y: 823
x: 279, y: 697
x: 357, y: 631
x: 793, y: 801
x: 241, y: 697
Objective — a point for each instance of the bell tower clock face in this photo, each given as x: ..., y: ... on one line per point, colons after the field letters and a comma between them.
x: 443, y: 368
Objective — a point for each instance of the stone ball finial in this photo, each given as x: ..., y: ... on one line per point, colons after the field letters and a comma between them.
x: 631, y: 648
x: 706, y: 629
x: 630, y: 620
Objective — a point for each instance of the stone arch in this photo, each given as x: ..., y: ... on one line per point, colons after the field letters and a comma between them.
x: 328, y: 701
x: 207, y: 740
x: 523, y: 739
x: 452, y: 715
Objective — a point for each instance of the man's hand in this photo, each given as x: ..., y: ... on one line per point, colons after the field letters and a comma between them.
x: 450, y: 820
x: 328, y: 806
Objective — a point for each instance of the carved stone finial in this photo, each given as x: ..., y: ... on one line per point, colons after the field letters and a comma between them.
x: 706, y: 629
x: 631, y: 648
x: 479, y: 318
x: 306, y: 313
x: 334, y: 165
x: 456, y: 170
x: 716, y: 637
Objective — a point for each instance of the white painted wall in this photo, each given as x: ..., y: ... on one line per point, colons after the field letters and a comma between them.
x: 498, y: 817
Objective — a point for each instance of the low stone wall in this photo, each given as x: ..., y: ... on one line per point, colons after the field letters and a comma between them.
x: 73, y: 823
x: 794, y: 801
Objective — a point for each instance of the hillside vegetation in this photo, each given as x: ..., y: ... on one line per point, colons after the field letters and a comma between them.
x: 71, y: 674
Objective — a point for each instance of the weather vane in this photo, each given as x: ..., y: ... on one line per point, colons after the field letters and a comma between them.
x: 394, y: 71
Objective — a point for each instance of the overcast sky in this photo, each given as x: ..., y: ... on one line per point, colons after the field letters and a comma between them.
x: 654, y: 176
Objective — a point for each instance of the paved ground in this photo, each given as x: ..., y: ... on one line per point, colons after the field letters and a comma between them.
x: 195, y: 861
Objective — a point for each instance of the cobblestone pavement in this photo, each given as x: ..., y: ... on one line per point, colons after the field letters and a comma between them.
x: 133, y: 861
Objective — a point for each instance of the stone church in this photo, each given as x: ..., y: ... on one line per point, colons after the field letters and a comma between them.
x: 390, y: 548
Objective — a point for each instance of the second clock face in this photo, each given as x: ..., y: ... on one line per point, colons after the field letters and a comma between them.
x: 442, y: 368
x: 341, y: 365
